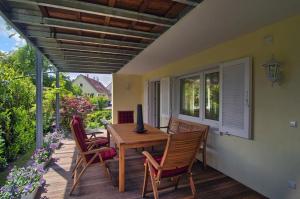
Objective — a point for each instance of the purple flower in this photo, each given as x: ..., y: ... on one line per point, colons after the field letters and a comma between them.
x: 40, y: 168
x: 27, y: 188
x: 53, y: 146
x: 42, y: 181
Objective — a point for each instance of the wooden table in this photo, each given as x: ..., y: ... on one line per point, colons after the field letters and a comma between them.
x: 125, y: 138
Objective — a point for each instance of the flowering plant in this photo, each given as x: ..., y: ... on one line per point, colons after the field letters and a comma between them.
x: 22, y: 181
x: 52, y: 140
x: 41, y: 155
x: 74, y: 106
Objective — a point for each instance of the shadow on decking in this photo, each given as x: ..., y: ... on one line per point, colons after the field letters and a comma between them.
x: 97, y: 184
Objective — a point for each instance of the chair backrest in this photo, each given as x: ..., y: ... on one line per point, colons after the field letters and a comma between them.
x: 125, y: 117
x: 181, y: 150
x: 82, y: 129
x: 180, y: 126
x: 78, y: 135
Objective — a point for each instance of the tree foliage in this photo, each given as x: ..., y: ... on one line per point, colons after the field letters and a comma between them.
x: 17, y: 101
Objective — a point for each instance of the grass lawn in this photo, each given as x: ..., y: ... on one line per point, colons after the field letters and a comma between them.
x: 20, y: 161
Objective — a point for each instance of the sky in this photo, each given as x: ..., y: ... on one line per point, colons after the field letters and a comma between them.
x: 10, y: 43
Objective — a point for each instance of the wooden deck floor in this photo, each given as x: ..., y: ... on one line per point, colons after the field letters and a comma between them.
x: 95, y: 184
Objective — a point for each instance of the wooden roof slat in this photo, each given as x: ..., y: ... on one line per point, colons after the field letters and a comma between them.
x: 102, y: 10
x: 84, y: 39
x: 89, y: 60
x: 189, y: 2
x: 80, y: 69
x: 74, y: 47
x: 88, y: 63
x: 65, y: 54
x: 75, y: 25
x: 95, y: 66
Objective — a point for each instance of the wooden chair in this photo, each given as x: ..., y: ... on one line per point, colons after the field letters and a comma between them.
x: 88, y: 153
x: 125, y: 117
x: 178, y: 159
x: 97, y: 140
x: 180, y: 126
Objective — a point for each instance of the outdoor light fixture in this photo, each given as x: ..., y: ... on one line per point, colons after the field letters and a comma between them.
x: 272, y: 68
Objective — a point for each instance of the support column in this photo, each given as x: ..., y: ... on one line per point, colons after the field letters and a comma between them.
x: 39, y: 99
x: 57, y: 107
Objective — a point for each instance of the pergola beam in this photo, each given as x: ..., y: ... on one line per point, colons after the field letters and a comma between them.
x: 89, y: 63
x: 48, y: 36
x: 86, y: 70
x: 85, y: 55
x: 18, y: 16
x: 189, y: 2
x: 47, y: 45
x: 96, y: 9
x: 104, y: 65
x: 90, y: 60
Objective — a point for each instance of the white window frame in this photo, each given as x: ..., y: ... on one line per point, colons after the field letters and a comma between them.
x: 213, y: 123
x: 188, y: 117
x: 201, y: 117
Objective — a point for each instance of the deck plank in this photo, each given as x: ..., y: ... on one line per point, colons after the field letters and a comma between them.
x: 96, y: 184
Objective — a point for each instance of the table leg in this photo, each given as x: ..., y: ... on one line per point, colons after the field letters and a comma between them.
x: 121, y: 168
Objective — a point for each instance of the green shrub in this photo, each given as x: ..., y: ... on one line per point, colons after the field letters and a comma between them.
x: 3, y: 162
x: 93, y: 120
x: 16, y: 116
x: 100, y: 102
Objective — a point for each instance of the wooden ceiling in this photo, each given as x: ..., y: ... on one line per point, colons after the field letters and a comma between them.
x: 93, y: 36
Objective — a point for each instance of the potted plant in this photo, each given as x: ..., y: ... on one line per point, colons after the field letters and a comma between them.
x: 23, y: 183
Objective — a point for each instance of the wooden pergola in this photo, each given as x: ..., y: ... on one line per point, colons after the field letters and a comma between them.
x: 95, y: 36
x: 91, y: 36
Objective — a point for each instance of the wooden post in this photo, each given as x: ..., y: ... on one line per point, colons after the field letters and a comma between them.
x: 57, y: 107
x: 39, y: 99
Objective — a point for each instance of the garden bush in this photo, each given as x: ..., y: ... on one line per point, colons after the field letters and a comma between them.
x: 93, y: 120
x: 100, y: 102
x: 3, y: 161
x: 74, y: 106
x: 16, y: 112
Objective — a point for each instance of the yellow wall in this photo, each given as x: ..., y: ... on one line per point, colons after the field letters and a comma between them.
x: 273, y: 157
x: 127, y: 91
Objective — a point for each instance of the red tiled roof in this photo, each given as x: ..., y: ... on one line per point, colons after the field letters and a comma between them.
x: 98, y: 86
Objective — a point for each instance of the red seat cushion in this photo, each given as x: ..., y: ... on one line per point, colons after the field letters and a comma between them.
x: 106, y: 155
x: 100, y: 141
x: 169, y: 173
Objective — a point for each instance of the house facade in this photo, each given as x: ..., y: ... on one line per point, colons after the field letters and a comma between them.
x: 91, y: 87
x: 258, y: 147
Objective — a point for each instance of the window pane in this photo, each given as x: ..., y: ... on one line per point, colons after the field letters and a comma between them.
x: 212, y: 88
x: 189, y: 96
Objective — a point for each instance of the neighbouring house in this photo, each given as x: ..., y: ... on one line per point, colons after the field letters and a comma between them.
x: 91, y: 87
x: 109, y: 87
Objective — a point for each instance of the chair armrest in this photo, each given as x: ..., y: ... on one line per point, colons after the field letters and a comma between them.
x: 93, y: 131
x: 151, y: 160
x: 162, y: 127
x: 95, y: 150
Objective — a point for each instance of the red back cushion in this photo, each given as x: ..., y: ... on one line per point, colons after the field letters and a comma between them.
x: 79, y: 135
x: 78, y: 118
x: 125, y: 117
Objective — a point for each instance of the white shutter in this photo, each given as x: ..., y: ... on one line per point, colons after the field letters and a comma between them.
x: 164, y: 101
x: 236, y: 80
x: 146, y: 101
